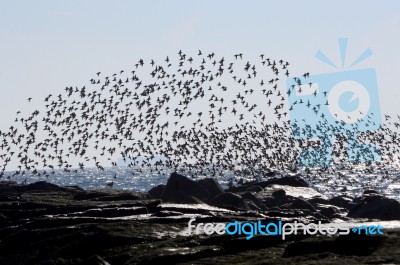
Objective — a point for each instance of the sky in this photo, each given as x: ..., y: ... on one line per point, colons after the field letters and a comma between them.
x: 47, y: 45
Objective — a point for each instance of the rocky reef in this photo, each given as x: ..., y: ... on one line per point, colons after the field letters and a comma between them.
x: 42, y: 223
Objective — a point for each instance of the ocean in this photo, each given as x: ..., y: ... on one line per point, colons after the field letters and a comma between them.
x: 348, y: 180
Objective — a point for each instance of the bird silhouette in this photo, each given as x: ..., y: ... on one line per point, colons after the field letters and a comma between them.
x: 204, y: 114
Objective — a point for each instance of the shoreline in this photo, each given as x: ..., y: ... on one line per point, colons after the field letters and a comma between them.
x: 42, y: 223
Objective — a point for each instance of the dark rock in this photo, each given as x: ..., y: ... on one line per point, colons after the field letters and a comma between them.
x: 114, y: 212
x: 254, y: 188
x: 156, y: 192
x: 179, y: 255
x: 8, y: 198
x: 3, y: 218
x: 74, y: 188
x: 119, y: 197
x: 192, y: 200
x: 271, y: 202
x: 298, y: 203
x: 248, y: 196
x: 8, y: 183
x: 376, y: 207
x: 230, y: 201
x: 270, y: 173
x: 163, y: 213
x: 40, y: 186
x: 51, y: 227
x: 318, y: 200
x: 241, y: 188
x: 152, y: 205
x: 300, y: 192
x: 8, y: 192
x: 110, y: 195
x: 328, y: 211
x: 90, y: 195
x: 348, y: 245
x: 370, y: 192
x: 94, y: 260
x: 341, y: 201
x: 279, y: 194
x: 275, y: 198
x: 294, y: 181
x: 252, y: 205
x: 211, y: 185
x: 179, y: 188
x: 10, y: 187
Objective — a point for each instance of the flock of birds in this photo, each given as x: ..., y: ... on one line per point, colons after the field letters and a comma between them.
x: 201, y: 115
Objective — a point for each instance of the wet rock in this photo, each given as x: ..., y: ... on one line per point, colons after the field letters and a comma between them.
x: 203, y: 209
x: 370, y: 191
x: 230, y: 201
x: 111, y: 195
x: 179, y: 188
x: 113, y: 212
x: 192, y: 200
x: 157, y: 191
x: 10, y: 187
x: 328, y: 211
x: 166, y: 213
x: 271, y: 202
x: 94, y: 260
x: 293, y: 181
x: 248, y: 196
x: 151, y: 205
x: 349, y: 245
x: 8, y: 183
x: 90, y: 195
x: 341, y: 201
x: 210, y: 184
x: 3, y: 218
x: 272, y: 198
x: 241, y: 188
x: 376, y: 207
x: 279, y: 194
x: 53, y: 227
x: 8, y: 197
x: 74, y: 188
x: 298, y: 203
x: 252, y: 205
x: 7, y: 192
x: 303, y: 192
x: 125, y: 196
x: 318, y: 200
x: 254, y: 188
x: 40, y: 186
x: 173, y: 255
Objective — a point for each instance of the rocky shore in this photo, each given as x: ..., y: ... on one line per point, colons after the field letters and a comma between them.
x: 42, y: 223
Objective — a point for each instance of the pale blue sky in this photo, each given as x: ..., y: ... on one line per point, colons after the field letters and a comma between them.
x: 48, y: 45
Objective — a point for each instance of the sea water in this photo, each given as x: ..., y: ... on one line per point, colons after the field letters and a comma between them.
x: 337, y: 180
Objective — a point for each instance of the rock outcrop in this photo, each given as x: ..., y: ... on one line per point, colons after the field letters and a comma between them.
x: 43, y: 223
